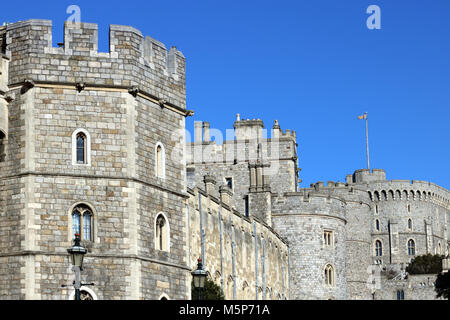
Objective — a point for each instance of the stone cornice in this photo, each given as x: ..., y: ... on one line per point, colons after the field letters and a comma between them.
x: 92, y: 86
x: 92, y: 176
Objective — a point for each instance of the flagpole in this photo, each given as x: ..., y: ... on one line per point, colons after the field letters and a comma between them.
x: 367, y: 142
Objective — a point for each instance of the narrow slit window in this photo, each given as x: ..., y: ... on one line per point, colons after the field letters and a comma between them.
x: 411, y: 247
x: 76, y: 223
x: 81, y: 148
x: 2, y: 147
x: 161, y: 234
x: 329, y: 275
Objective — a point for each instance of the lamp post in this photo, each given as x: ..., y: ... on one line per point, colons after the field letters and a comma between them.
x: 77, y: 252
x: 199, y: 276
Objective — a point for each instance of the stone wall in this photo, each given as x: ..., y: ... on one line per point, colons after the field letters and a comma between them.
x: 241, y: 254
x: 73, y: 88
x: 302, y: 219
x: 415, y: 287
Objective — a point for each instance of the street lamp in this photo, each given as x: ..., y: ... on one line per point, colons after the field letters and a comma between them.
x: 77, y: 252
x: 199, y: 276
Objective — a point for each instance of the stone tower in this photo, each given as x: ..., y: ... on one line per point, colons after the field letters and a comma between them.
x: 123, y: 106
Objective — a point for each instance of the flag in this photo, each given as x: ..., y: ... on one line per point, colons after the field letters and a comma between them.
x: 364, y: 116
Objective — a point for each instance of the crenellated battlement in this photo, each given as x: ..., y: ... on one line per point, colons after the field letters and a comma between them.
x: 133, y: 61
x: 309, y: 202
x: 409, y: 190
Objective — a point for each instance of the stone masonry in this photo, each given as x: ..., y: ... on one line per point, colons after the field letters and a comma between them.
x: 237, y: 204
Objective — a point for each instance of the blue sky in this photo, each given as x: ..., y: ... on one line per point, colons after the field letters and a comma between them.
x: 313, y: 65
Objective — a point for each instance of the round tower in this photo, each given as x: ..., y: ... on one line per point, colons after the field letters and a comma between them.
x: 358, y: 238
x: 313, y: 222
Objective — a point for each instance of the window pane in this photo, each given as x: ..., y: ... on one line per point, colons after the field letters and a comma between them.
x: 87, y: 226
x: 2, y: 147
x: 75, y: 223
x: 80, y: 149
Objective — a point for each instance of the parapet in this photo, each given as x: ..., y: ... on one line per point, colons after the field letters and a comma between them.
x: 132, y: 60
x: 248, y: 129
x: 365, y: 175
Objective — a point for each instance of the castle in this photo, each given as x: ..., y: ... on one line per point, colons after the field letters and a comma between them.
x: 95, y: 143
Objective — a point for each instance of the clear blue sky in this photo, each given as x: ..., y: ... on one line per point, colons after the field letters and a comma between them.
x: 313, y: 65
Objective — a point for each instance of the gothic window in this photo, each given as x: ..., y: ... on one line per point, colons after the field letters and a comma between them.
x: 411, y: 247
x: 378, y: 248
x: 328, y: 238
x: 81, y: 149
x: 2, y: 146
x: 377, y: 225
x: 82, y: 222
x: 84, y: 295
x: 329, y: 275
x: 160, y: 161
x: 400, y: 295
x: 161, y: 233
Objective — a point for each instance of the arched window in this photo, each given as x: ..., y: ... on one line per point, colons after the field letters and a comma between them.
x: 391, y: 195
x: 409, y: 224
x: 81, y: 147
x: 163, y: 297
x: 400, y: 295
x: 377, y: 196
x: 405, y: 195
x: 2, y: 146
x: 161, y: 233
x: 377, y: 225
x: 411, y: 247
x: 85, y: 294
x: 329, y: 275
x: 82, y: 222
x: 378, y: 248
x: 160, y: 161
x: 409, y: 208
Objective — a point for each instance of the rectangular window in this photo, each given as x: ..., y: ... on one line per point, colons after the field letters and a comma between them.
x: 246, y: 206
x: 229, y: 182
x: 328, y: 238
x: 2, y: 147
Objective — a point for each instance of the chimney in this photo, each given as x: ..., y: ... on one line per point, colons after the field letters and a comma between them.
x: 206, y: 137
x: 210, y: 183
x: 198, y: 131
x: 226, y: 195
